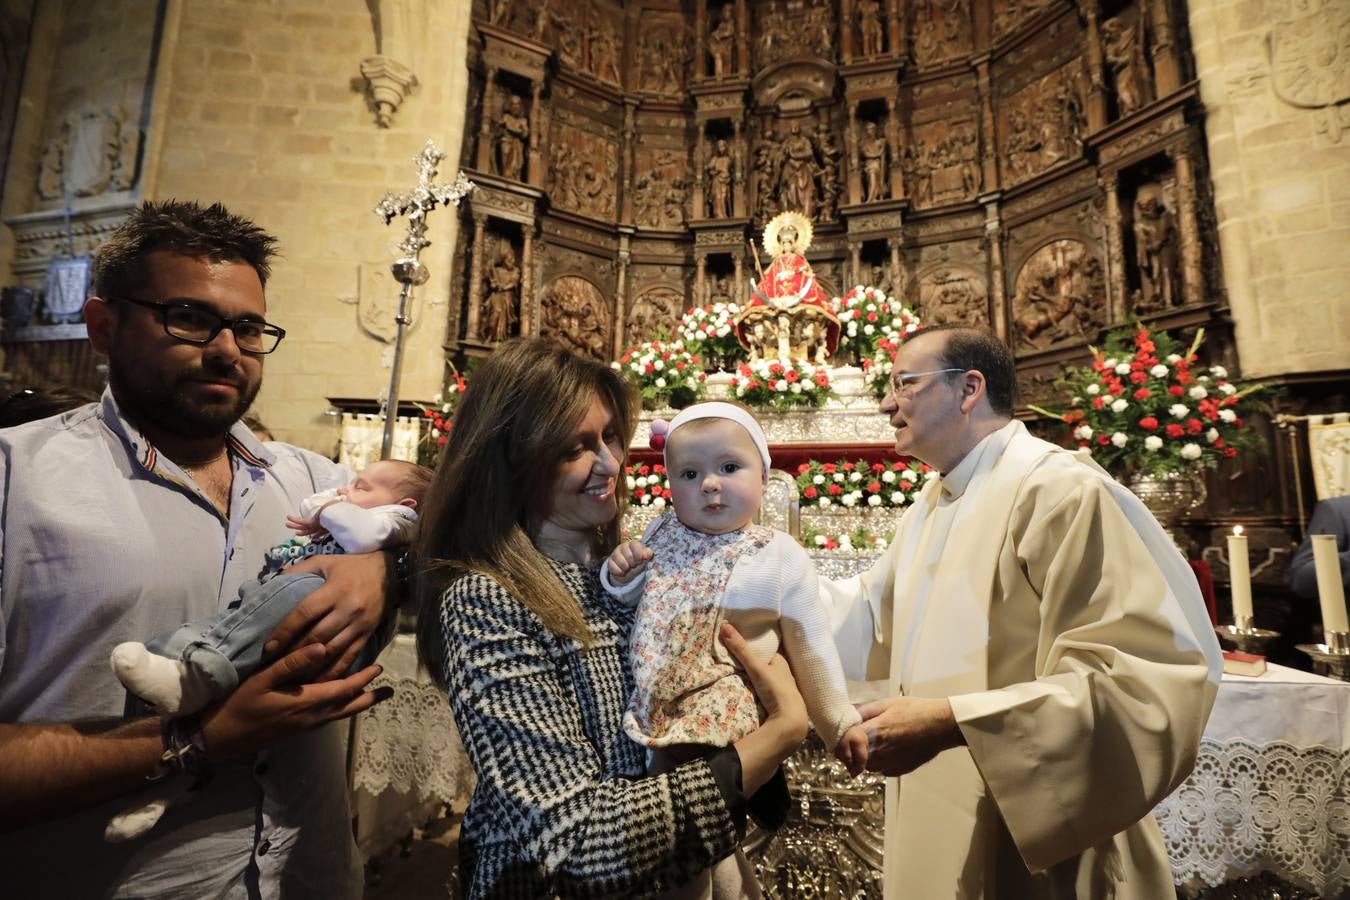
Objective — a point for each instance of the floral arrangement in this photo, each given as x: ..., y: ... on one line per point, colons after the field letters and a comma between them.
x: 781, y: 384
x: 648, y: 485
x: 855, y: 483
x: 439, y: 417
x: 665, y: 374
x: 866, y: 318
x: 1146, y: 407
x: 710, y: 332
x: 858, y: 539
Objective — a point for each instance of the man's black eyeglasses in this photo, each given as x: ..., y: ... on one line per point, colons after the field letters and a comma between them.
x: 195, y: 325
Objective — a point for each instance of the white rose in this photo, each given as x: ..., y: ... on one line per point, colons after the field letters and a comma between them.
x: 691, y: 382
x: 1123, y: 369
x: 1218, y: 371
x: 897, y: 499
x: 855, y: 476
x: 912, y: 327
x: 613, y: 365
x: 881, y: 543
x: 845, y: 542
x: 1212, y: 435
x: 818, y: 479
x: 838, y: 476
x: 636, y: 367
x: 1227, y: 415
x: 1083, y: 432
x: 1197, y: 393
x: 796, y: 387
x: 740, y: 390
x: 848, y: 500
x: 780, y: 385
x: 1227, y: 389
x: 874, y: 500
x: 1158, y: 371
x: 660, y: 382
x: 632, y: 482
x: 852, y: 329
x: 1190, y: 451
x: 1110, y: 363
x: 929, y: 476
x: 642, y: 481
x: 1178, y: 410
x: 658, y: 365
x: 1120, y: 439
x: 659, y: 503
x: 888, y: 476
x: 1153, y: 442
x: 869, y: 330
x: 824, y: 502
x: 646, y: 500
x: 1093, y: 390
x: 1119, y: 405
x: 1173, y: 358
x: 820, y: 540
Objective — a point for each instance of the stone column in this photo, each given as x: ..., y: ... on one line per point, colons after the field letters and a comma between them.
x: 988, y: 130
x: 620, y: 296
x: 1166, y: 61
x: 484, y: 163
x: 739, y: 202
x: 476, y: 274
x: 700, y: 161
x: 527, y: 324
x: 855, y: 263
x: 1096, y: 67
x: 738, y: 259
x: 897, y: 171
x: 899, y: 279
x: 854, y: 157
x: 701, y: 40
x: 846, y: 30
x: 1117, y: 289
x: 993, y: 236
x: 895, y: 29
x: 535, y: 175
x: 742, y: 38
x: 700, y: 277
x: 1188, y: 223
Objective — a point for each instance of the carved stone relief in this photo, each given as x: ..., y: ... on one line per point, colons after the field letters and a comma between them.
x: 941, y: 164
x: 93, y: 153
x: 661, y: 188
x: 1059, y: 294
x: 656, y: 307
x: 953, y: 295
x: 1310, y: 63
x: 576, y: 316
x: 1043, y: 124
x: 942, y: 30
x: 583, y: 171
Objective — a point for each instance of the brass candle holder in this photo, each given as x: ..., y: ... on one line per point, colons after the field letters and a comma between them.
x: 1333, y: 656
x: 1245, y: 636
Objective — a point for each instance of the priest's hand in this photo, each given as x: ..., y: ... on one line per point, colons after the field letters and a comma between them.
x: 903, y: 733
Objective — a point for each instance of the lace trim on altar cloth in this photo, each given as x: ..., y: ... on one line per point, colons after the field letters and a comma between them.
x: 1251, y: 807
x: 409, y: 744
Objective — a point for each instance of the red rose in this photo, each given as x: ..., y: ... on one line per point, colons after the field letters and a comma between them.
x: 1143, y: 394
x: 810, y: 493
x: 1146, y: 346
x: 745, y: 370
x: 648, y: 369
x: 639, y: 493
x: 659, y: 469
x: 847, y: 466
x: 835, y: 490
x: 878, y: 467
x: 1174, y: 430
x: 1148, y: 423
x: 925, y: 468
x: 1138, y: 377
x: 441, y: 440
x: 1103, y: 439
x: 803, y: 468
x: 1098, y: 365
x: 679, y: 366
x: 791, y: 376
x: 1230, y: 452
x: 1176, y: 390
x: 1097, y: 402
x: 775, y: 368
x: 754, y: 383
x: 897, y: 467
x: 644, y: 470
x: 1116, y: 389
x: 1194, y: 426
x: 874, y: 487
x: 823, y: 380
x: 827, y: 468
x: 871, y: 317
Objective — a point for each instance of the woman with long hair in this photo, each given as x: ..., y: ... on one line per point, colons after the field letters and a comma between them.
x: 524, y: 509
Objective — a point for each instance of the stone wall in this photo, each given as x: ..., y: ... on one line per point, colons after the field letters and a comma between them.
x: 1281, y: 175
x: 263, y: 107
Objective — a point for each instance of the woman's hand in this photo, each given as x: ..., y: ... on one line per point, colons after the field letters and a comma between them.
x: 764, y: 748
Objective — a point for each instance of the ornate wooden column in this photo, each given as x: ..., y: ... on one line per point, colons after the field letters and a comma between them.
x: 1166, y: 59
x: 628, y: 160
x: 1096, y: 98
x: 993, y: 237
x: 740, y: 202
x: 527, y: 304
x: 701, y: 40
x: 854, y: 160
x: 855, y: 263
x: 899, y: 279
x: 897, y: 173
x: 700, y: 278
x: 484, y: 162
x: 738, y: 259
x: 742, y: 38
x: 846, y: 30
x: 988, y: 130
x: 1192, y: 277
x: 700, y: 176
x: 621, y: 294
x: 535, y: 173
x: 895, y: 28
x: 476, y: 274
x: 1117, y: 299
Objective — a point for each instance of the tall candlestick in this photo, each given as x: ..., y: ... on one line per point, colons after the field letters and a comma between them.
x: 1240, y: 578
x: 1330, y: 590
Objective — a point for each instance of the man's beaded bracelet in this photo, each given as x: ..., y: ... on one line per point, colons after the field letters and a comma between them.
x: 184, y: 748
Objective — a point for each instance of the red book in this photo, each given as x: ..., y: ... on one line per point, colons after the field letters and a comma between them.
x: 1235, y: 663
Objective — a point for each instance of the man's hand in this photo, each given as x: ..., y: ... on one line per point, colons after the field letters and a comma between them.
x: 628, y: 561
x: 903, y: 733
x: 341, y: 615
x: 277, y: 702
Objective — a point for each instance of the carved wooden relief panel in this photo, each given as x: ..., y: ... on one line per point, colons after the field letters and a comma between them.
x: 942, y: 30
x: 576, y: 316
x: 1059, y: 295
x: 661, y: 187
x: 953, y: 294
x: 583, y: 171
x: 1043, y: 124
x: 661, y: 58
x: 656, y: 307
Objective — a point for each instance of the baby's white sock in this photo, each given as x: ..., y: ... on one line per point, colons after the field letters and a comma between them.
x: 170, y: 685
x: 134, y: 822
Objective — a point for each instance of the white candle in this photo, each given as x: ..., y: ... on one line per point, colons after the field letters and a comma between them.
x: 1240, y: 577
x: 1330, y: 591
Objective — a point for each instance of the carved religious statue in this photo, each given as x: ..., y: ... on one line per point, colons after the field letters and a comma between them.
x: 512, y: 132
x: 722, y: 43
x: 500, y: 305
x: 1123, y: 45
x: 869, y: 24
x: 797, y: 179
x: 873, y: 149
x: 720, y: 172
x: 788, y: 315
x: 828, y: 172
x: 767, y: 158
x: 1155, y: 240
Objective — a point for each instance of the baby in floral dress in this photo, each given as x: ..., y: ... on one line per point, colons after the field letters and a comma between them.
x: 707, y: 564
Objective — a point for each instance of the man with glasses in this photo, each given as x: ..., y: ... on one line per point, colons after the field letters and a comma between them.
x: 1045, y: 653
x: 132, y: 515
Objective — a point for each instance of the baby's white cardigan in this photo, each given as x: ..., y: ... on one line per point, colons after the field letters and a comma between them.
x: 773, y: 600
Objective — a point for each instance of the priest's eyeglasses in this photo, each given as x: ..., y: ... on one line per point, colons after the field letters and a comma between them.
x: 905, y: 384
x: 195, y: 325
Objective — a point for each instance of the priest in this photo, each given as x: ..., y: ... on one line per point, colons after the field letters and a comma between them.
x: 1047, y: 660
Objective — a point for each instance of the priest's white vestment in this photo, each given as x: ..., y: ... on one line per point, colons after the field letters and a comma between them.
x: 1044, y: 600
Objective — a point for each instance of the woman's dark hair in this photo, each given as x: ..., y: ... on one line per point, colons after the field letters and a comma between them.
x: 33, y: 403
x: 495, y: 480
